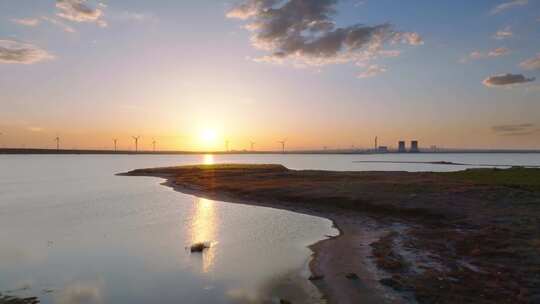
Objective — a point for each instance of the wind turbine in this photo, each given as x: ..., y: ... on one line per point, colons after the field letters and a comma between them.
x: 282, y: 142
x: 154, y: 145
x: 136, y: 139
x: 252, y: 143
x: 57, y: 139
x: 115, y: 142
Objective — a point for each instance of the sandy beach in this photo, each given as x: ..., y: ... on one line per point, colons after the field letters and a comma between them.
x: 405, y: 237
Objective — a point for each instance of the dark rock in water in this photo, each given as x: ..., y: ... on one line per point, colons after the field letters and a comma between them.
x: 199, y: 247
x: 315, y: 277
x: 283, y: 301
x: 352, y: 276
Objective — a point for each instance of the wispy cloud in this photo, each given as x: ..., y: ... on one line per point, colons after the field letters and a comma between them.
x: 16, y: 52
x: 360, y: 3
x: 79, y: 11
x: 66, y: 28
x: 503, y: 33
x: 134, y: 16
x: 515, y: 129
x: 506, y: 80
x: 304, y: 33
x: 475, y: 55
x: 532, y: 63
x: 372, y: 71
x: 508, y: 5
x: 31, y: 22
x: 498, y: 52
x: 34, y: 129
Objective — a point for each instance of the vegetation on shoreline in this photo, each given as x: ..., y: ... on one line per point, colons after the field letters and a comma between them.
x: 476, y: 230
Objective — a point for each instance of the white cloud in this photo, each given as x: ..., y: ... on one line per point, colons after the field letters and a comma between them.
x: 475, y: 55
x: 134, y: 16
x: 360, y: 3
x: 532, y: 63
x: 31, y: 22
x: 410, y: 38
x: 372, y: 71
x: 79, y: 11
x: 503, y: 33
x: 508, y: 5
x: 498, y: 52
x: 34, y: 129
x: 16, y: 52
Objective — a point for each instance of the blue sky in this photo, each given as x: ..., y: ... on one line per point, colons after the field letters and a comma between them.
x: 173, y: 69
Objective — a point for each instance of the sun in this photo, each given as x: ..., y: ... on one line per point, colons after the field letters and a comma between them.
x: 208, y: 136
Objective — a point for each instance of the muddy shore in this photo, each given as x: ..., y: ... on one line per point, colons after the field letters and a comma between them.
x: 469, y: 236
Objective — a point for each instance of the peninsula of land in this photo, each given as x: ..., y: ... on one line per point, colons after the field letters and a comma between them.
x: 461, y: 237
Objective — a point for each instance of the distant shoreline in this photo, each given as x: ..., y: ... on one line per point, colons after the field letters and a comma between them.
x: 14, y: 151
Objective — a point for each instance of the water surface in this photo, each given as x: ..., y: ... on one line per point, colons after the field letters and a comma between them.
x: 73, y: 232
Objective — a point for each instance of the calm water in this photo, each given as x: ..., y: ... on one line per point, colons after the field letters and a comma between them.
x: 73, y: 232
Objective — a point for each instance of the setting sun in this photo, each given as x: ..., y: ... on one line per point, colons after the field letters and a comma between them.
x: 208, y: 136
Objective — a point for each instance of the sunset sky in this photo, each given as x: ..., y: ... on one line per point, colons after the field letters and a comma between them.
x: 192, y: 74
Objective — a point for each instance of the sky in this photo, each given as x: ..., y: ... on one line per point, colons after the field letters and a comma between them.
x: 191, y: 75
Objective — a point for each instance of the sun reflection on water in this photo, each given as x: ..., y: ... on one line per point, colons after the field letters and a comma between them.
x: 208, y: 159
x: 204, y: 230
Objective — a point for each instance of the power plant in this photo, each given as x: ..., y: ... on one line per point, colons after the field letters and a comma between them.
x: 401, y: 146
x: 414, y: 146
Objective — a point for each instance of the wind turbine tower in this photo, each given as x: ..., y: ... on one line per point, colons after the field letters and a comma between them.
x: 154, y: 145
x: 57, y: 139
x: 252, y: 144
x: 376, y: 143
x: 136, y: 139
x: 115, y: 142
x: 282, y: 142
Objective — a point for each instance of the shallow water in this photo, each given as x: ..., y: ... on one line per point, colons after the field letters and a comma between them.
x: 73, y: 232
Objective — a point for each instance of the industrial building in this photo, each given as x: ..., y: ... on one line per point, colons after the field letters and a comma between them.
x: 414, y: 146
x: 401, y: 146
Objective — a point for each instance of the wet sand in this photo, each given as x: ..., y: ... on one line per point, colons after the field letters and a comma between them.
x: 468, y: 236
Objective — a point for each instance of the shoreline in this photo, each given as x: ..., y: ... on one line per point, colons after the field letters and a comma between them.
x: 327, y: 258
x: 405, y: 237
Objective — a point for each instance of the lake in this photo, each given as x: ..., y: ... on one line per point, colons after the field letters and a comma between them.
x: 73, y: 232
